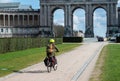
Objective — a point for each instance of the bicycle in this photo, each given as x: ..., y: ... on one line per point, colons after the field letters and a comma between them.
x: 50, y: 63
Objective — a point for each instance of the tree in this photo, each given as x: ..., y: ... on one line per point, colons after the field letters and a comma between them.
x: 58, y: 30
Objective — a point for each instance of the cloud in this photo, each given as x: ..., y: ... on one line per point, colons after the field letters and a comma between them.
x: 79, y: 22
x: 118, y: 3
x: 59, y: 21
x: 75, y: 22
x: 59, y: 17
x: 100, y: 29
x: 100, y: 26
x: 76, y: 19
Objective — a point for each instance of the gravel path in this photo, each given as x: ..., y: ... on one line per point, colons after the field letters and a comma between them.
x: 70, y: 66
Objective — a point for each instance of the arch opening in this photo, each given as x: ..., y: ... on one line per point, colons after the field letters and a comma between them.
x: 58, y: 22
x: 100, y: 22
x: 78, y: 22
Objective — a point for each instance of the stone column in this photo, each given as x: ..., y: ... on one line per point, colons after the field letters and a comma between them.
x: 112, y: 19
x: 70, y: 16
x: 89, y: 21
x: 13, y: 29
x: 13, y: 20
x: 0, y: 20
x: 49, y: 15
x: 50, y: 19
x: 72, y: 23
x: 115, y: 18
x: 68, y: 21
x: 66, y: 16
x: 65, y: 28
x: 113, y: 14
x: 28, y: 19
x: 87, y: 17
x: 45, y: 13
x: 23, y: 20
x: 46, y: 17
x: 9, y: 20
x: 18, y: 19
x: 33, y: 19
x: 41, y: 15
x: 4, y: 19
x: 108, y: 14
x: 38, y: 19
x: 108, y: 20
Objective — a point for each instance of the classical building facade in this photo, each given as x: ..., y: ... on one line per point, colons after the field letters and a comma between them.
x: 47, y: 8
x: 18, y: 20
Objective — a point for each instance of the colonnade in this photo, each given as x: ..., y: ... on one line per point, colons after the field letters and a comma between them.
x: 8, y: 20
x: 20, y: 23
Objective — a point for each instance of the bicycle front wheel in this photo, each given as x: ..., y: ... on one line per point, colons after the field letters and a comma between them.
x: 55, y: 67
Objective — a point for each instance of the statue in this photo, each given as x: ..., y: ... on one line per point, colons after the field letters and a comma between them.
x: 67, y: 31
x: 88, y: 31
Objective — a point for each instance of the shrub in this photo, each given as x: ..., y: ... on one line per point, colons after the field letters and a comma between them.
x: 15, y: 44
x: 118, y: 39
x: 73, y: 39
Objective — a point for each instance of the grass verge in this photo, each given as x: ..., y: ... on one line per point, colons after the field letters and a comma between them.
x: 107, y: 67
x: 12, y: 61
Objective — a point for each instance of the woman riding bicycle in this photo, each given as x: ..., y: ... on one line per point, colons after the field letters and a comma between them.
x: 50, y: 51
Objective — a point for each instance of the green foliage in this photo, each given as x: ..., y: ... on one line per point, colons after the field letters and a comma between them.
x: 118, y: 39
x: 15, y: 44
x: 59, y: 30
x: 73, y: 39
x: 111, y: 69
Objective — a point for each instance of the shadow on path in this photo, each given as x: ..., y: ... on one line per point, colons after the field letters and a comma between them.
x: 37, y: 71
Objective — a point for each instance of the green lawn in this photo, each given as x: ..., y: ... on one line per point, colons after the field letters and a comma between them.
x: 111, y: 68
x: 108, y: 64
x: 12, y: 61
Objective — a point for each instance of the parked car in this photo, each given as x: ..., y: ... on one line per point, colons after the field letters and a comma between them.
x: 117, y: 34
x: 113, y: 38
x: 100, y: 38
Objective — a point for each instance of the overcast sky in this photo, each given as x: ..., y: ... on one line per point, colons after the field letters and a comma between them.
x: 79, y: 16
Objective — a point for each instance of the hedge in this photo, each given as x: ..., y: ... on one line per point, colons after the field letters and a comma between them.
x: 73, y: 39
x: 118, y: 39
x: 15, y: 44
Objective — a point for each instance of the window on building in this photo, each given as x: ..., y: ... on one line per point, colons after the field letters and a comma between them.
x: 7, y: 30
x: 2, y: 30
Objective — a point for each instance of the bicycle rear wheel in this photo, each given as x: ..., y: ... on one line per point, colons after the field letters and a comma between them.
x: 49, y: 69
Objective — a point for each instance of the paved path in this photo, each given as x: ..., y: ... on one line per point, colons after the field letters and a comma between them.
x: 71, y: 66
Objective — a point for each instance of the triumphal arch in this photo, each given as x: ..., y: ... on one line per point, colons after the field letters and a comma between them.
x: 47, y: 8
